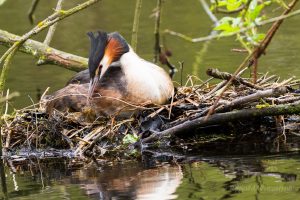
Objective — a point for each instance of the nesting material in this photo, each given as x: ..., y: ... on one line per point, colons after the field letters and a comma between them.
x: 271, y: 102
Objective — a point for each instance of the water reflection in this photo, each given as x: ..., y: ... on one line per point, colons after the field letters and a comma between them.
x: 247, y: 177
x: 130, y: 182
x: 123, y: 181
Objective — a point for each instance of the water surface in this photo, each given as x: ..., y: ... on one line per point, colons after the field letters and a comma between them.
x: 235, y: 177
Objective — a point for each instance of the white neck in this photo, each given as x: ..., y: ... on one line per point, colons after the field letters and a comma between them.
x: 146, y: 80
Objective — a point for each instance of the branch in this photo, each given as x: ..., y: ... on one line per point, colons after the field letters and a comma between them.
x: 208, y: 12
x: 157, y: 48
x: 52, y: 28
x: 52, y: 19
x: 32, y: 9
x: 49, y: 54
x: 211, y: 37
x: 269, y: 36
x: 137, y: 12
x: 222, y: 118
x: 50, y: 33
x: 275, y: 92
x: 256, y: 53
x: 227, y: 76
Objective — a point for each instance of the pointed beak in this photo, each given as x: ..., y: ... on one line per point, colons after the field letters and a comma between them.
x: 92, y: 86
x: 103, y: 66
x: 94, y: 81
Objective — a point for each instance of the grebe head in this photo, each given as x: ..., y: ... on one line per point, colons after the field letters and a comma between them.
x: 105, y: 49
x: 98, y: 44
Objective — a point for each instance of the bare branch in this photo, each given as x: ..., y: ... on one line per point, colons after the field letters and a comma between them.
x: 52, y: 28
x: 32, y: 9
x: 208, y: 12
x: 137, y: 12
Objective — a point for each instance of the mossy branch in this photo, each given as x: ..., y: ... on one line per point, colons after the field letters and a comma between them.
x: 52, y: 19
x: 49, y: 54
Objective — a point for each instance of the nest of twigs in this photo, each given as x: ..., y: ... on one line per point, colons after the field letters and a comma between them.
x: 266, y: 107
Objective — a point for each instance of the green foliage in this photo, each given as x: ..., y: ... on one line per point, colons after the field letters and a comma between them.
x: 241, y: 15
x: 2, y: 2
x: 130, y: 139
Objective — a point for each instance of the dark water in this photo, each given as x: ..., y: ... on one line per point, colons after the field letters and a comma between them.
x: 236, y: 177
x: 244, y: 177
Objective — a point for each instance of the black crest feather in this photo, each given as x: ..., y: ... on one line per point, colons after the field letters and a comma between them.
x: 99, y: 41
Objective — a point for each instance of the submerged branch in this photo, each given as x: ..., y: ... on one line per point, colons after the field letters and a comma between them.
x: 50, y: 55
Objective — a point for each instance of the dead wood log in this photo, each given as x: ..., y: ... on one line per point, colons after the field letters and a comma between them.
x: 275, y: 92
x: 227, y: 76
x: 221, y: 118
x: 48, y: 54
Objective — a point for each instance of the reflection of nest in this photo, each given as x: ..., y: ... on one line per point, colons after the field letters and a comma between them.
x: 191, y: 102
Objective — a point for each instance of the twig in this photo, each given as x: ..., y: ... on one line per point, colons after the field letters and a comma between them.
x: 4, y: 71
x: 211, y: 37
x: 32, y: 9
x: 208, y: 12
x: 227, y: 76
x: 252, y: 98
x: 254, y: 55
x: 52, y: 28
x: 157, y: 48
x: 137, y: 12
x: 52, y: 19
x: 260, y: 50
x: 181, y: 72
x: 50, y: 33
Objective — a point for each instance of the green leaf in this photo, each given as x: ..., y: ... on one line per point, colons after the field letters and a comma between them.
x: 233, y: 4
x: 258, y: 37
x: 2, y: 2
x: 260, y: 106
x: 130, y: 139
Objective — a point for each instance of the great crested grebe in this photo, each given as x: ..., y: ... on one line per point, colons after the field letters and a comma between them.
x: 116, y: 81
